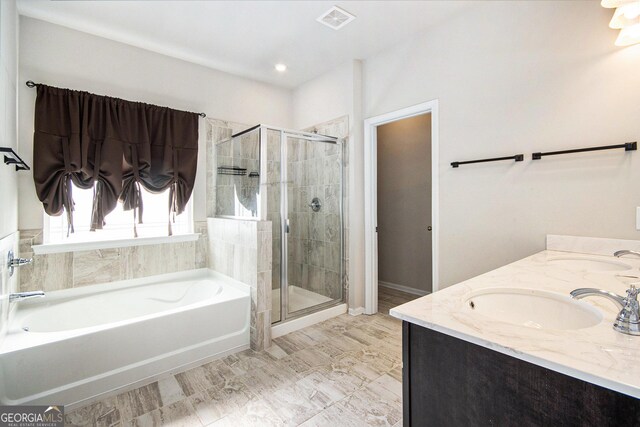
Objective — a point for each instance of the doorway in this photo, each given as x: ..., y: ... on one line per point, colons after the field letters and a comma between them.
x: 401, y: 171
x: 404, y: 205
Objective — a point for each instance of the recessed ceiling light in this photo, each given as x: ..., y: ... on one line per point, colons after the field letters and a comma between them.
x: 336, y: 18
x: 280, y: 67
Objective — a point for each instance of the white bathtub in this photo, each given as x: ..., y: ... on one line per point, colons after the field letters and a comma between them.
x: 76, y: 344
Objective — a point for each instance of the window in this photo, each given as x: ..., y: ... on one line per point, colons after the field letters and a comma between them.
x: 119, y: 224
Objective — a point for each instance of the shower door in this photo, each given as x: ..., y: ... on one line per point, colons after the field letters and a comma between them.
x: 311, y: 225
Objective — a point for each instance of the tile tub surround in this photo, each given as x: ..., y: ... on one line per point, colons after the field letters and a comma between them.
x: 344, y: 371
x: 55, y: 271
x: 241, y: 249
x: 598, y: 354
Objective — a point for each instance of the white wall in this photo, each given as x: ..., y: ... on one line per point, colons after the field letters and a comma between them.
x: 8, y: 115
x: 518, y: 77
x: 8, y: 138
x: 510, y: 76
x: 322, y: 99
x: 62, y: 57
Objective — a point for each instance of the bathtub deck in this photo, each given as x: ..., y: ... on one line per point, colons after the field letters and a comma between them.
x: 344, y: 371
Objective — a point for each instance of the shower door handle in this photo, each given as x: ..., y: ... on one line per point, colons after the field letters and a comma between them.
x: 286, y: 225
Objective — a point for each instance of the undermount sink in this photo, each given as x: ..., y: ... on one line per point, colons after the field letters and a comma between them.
x: 532, y: 308
x: 589, y: 264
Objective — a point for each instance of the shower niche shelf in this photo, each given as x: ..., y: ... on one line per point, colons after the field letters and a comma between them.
x: 232, y: 170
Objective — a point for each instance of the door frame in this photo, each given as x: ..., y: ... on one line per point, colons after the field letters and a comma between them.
x: 371, y: 196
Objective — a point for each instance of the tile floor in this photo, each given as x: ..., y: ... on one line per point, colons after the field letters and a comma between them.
x: 345, y: 371
x: 389, y: 298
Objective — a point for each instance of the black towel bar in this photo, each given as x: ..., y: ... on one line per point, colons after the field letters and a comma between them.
x: 517, y: 158
x: 628, y: 146
x: 13, y: 159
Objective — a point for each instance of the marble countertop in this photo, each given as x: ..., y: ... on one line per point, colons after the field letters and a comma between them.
x: 595, y: 354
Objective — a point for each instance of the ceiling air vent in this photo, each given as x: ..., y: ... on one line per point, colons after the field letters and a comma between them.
x: 335, y: 18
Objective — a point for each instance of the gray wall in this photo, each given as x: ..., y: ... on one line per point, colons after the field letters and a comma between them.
x: 404, y: 202
x: 519, y: 77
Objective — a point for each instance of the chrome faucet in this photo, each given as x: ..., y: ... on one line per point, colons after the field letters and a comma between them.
x: 12, y: 262
x: 25, y: 295
x: 628, y: 319
x: 623, y: 252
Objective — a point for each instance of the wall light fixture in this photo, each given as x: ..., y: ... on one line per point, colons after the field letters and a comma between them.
x: 626, y: 18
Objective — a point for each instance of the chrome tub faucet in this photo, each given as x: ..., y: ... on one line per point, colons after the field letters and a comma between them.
x: 19, y: 296
x: 628, y: 319
x: 13, y: 262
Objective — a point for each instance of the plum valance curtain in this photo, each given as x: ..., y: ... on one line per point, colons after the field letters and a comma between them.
x: 113, y: 146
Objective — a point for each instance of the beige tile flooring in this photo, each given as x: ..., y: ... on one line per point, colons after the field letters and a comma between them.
x: 345, y: 371
x: 389, y: 298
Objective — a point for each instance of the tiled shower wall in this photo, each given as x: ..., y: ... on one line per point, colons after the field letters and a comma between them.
x: 316, y: 249
x: 314, y: 241
x: 217, y: 131
x: 50, y: 272
x: 241, y: 249
x: 339, y: 128
x: 314, y: 171
x: 237, y: 195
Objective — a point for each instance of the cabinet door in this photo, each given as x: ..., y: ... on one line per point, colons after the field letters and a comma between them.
x: 451, y: 382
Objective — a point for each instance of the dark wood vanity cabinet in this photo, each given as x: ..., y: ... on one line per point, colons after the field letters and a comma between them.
x: 451, y: 382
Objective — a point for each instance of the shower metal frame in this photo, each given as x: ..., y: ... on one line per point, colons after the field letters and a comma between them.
x: 285, y: 315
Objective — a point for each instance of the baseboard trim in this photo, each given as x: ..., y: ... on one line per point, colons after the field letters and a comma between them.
x: 308, y: 320
x: 402, y: 288
x: 356, y: 311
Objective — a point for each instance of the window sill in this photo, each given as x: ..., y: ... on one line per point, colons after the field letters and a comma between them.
x: 54, y: 248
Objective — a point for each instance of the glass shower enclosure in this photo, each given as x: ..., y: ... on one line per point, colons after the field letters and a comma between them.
x: 295, y: 180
